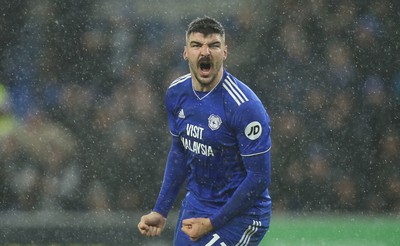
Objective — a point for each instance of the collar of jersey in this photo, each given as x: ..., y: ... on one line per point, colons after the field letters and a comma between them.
x: 204, y: 96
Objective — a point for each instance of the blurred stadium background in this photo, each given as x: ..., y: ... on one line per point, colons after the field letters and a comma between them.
x: 83, y: 135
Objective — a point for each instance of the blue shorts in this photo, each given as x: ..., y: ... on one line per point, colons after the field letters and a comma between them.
x: 240, y: 231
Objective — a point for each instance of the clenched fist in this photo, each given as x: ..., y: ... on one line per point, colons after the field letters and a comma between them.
x: 152, y: 224
x: 195, y: 228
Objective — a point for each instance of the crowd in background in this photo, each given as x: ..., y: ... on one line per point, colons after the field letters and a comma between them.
x: 83, y: 126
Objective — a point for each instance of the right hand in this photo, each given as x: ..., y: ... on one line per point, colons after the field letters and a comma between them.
x: 152, y: 224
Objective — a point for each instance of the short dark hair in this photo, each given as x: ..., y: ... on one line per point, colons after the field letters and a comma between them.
x: 206, y: 26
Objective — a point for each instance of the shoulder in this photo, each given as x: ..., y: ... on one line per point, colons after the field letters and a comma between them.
x: 178, y: 89
x: 179, y: 86
x: 179, y: 82
x: 242, y: 104
x: 238, y: 92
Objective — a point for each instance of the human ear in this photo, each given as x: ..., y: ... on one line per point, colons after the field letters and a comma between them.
x: 225, y: 52
x: 184, y: 54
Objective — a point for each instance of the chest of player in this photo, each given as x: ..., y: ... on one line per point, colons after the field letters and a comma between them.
x: 203, y: 124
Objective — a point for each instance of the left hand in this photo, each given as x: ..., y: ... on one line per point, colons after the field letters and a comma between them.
x: 195, y: 228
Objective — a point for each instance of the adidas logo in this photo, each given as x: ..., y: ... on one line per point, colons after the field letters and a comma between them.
x: 181, y: 114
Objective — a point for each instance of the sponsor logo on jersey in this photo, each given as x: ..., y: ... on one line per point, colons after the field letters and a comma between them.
x: 194, y: 146
x: 214, y: 122
x: 194, y: 131
x: 197, y: 147
x: 253, y: 130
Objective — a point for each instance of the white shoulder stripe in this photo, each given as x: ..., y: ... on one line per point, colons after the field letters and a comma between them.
x: 179, y: 80
x: 231, y: 93
x: 234, y: 91
x: 237, y: 88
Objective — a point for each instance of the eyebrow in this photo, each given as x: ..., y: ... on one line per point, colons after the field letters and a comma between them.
x: 212, y: 43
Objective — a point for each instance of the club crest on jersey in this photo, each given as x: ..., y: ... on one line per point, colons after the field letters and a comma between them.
x: 253, y: 130
x: 214, y: 122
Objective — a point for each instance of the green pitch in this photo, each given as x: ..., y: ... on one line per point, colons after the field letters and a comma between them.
x: 348, y: 230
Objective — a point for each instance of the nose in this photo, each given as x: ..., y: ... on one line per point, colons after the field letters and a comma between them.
x: 205, y: 50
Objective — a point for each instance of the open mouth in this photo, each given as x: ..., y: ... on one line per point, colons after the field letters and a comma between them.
x: 205, y: 66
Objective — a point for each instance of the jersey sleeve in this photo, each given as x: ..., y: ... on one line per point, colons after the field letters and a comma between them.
x: 169, y: 104
x: 252, y: 187
x: 176, y: 170
x: 174, y: 175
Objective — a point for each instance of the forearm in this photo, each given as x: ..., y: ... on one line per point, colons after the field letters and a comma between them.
x: 174, y: 176
x: 255, y: 183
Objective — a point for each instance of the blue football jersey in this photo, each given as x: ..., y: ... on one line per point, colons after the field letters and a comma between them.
x: 217, y: 129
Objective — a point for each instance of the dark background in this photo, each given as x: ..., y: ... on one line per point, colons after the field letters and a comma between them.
x: 82, y: 83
